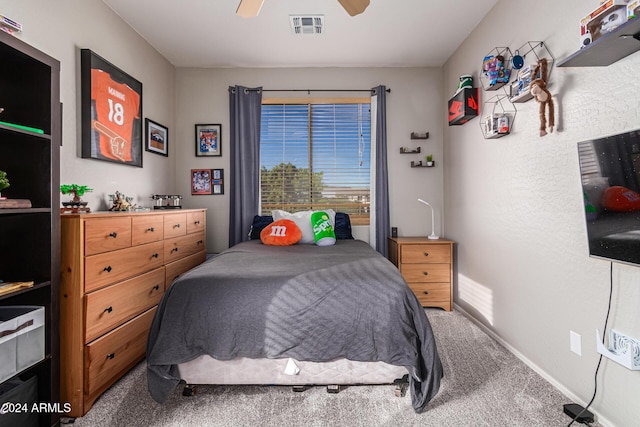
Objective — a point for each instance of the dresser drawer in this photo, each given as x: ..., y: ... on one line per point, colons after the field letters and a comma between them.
x: 429, y: 273
x: 147, y: 229
x: 175, y: 225
x: 425, y: 253
x: 195, y: 222
x: 106, y: 234
x: 108, y: 307
x: 179, y: 247
x: 430, y: 293
x: 104, y: 269
x: 174, y: 269
x: 108, y: 357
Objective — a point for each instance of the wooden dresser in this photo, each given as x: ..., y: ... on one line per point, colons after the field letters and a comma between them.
x: 427, y: 266
x: 115, y: 267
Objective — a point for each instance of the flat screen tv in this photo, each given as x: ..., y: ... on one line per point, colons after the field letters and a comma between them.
x: 610, y: 173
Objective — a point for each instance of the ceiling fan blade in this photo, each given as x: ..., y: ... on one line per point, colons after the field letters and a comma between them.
x: 354, y: 7
x: 249, y: 8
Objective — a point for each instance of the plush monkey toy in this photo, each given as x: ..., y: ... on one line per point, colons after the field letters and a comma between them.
x: 538, y: 89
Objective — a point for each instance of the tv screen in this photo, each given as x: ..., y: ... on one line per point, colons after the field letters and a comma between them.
x: 610, y: 173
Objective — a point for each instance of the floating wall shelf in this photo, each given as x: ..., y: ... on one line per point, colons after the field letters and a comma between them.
x: 609, y: 48
x: 405, y: 150
x: 419, y: 135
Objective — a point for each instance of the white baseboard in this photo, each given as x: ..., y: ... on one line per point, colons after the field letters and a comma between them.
x: 570, y: 395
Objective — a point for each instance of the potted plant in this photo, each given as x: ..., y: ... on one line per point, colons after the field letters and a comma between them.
x: 4, y: 183
x: 77, y: 191
x: 430, y: 160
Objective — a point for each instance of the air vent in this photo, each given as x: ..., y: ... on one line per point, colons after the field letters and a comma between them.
x: 307, y: 24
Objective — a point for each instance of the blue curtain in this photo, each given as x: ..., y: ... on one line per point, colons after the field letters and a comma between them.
x: 382, y: 185
x: 245, y: 105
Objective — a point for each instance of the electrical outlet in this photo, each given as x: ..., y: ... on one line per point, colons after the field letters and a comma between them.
x: 575, y: 343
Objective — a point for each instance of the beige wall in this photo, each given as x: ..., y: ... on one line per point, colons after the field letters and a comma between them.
x: 412, y: 105
x: 515, y: 207
x: 60, y: 29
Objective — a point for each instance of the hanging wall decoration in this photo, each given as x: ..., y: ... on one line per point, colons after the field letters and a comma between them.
x: 111, y: 103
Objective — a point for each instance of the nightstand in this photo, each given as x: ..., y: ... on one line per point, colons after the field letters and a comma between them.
x: 427, y: 266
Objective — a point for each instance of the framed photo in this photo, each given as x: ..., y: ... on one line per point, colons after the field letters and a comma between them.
x: 157, y: 138
x: 217, y: 181
x: 201, y: 181
x: 208, y: 140
x: 111, y: 112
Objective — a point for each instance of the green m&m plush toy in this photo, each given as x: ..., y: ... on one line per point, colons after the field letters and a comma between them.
x: 323, y: 232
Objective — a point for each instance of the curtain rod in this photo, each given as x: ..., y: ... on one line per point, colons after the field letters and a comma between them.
x: 319, y: 90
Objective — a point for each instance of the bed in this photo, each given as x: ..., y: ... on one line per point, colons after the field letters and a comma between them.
x: 258, y: 314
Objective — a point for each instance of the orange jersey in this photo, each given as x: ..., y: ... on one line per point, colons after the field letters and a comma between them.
x: 117, y: 108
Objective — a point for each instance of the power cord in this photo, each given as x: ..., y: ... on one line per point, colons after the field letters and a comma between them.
x: 595, y: 377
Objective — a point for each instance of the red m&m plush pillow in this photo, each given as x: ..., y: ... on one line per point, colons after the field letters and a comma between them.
x: 621, y: 199
x: 282, y: 232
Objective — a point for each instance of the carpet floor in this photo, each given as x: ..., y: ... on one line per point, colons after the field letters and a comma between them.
x: 484, y: 385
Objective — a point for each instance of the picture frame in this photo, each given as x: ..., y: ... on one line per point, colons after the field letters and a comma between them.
x: 111, y: 112
x: 217, y: 181
x: 208, y: 140
x: 157, y: 138
x: 201, y: 181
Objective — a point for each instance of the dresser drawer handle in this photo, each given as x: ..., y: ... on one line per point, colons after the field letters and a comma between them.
x: 156, y: 287
x: 107, y: 269
x: 111, y: 355
x: 426, y: 273
x: 176, y: 226
x: 174, y: 250
x: 426, y: 254
x: 155, y: 255
x: 113, y: 234
x: 200, y: 242
x: 151, y: 229
x: 197, y: 222
x: 426, y: 292
x: 108, y: 309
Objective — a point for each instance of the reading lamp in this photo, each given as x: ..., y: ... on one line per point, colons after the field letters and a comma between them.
x: 433, y: 235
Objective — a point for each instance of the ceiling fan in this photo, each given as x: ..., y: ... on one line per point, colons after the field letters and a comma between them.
x: 251, y: 8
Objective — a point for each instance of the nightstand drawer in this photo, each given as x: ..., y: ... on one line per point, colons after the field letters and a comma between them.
x: 422, y: 273
x: 429, y: 293
x: 109, y: 307
x: 425, y: 253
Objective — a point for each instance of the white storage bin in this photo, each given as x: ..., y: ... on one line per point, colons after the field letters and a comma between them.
x: 21, y: 338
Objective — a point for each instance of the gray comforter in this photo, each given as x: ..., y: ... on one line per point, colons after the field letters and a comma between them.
x: 306, y: 302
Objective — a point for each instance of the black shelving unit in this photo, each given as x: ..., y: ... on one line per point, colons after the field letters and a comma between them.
x: 30, y: 237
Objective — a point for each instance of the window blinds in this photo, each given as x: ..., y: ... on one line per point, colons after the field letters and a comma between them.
x: 316, y: 156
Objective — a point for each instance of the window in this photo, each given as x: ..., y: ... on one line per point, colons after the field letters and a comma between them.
x: 316, y: 156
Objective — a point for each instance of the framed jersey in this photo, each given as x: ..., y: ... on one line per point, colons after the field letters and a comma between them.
x: 111, y: 112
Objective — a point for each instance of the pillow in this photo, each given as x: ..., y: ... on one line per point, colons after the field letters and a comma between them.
x: 283, y: 232
x: 342, y: 226
x: 259, y: 223
x: 303, y: 221
x: 323, y: 233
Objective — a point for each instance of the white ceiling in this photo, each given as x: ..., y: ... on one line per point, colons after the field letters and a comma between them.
x: 390, y: 33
